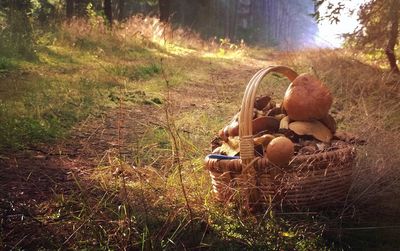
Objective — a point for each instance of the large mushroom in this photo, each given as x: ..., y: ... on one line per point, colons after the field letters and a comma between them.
x: 280, y: 151
x: 307, y: 98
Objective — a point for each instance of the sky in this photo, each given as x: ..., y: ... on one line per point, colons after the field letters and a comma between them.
x: 329, y: 34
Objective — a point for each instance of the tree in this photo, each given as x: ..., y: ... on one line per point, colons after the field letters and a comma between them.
x: 378, y: 30
x: 108, y: 11
x: 20, y: 26
x: 165, y: 10
x: 121, y: 6
x: 69, y: 8
x: 393, y: 34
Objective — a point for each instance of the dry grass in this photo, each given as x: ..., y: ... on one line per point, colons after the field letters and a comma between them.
x: 149, y: 32
x: 367, y: 103
x: 128, y: 189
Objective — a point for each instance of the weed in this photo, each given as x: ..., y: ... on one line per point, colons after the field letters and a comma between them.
x: 17, y: 132
x: 263, y: 232
x: 47, y: 110
x: 140, y: 72
x: 143, y: 72
x: 6, y: 64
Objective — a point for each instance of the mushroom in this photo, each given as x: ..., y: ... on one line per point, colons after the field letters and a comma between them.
x: 274, y: 111
x: 313, y: 128
x: 263, y: 140
x: 307, y: 98
x: 330, y: 122
x: 284, y: 123
x: 280, y: 116
x: 280, y: 151
x: 262, y: 102
x: 264, y: 123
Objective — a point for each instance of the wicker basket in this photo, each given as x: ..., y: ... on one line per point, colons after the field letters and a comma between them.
x: 310, y: 181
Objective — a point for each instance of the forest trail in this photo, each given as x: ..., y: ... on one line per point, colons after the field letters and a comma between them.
x: 33, y: 178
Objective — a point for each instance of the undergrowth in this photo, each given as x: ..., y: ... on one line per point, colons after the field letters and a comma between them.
x: 77, y: 72
x: 160, y: 198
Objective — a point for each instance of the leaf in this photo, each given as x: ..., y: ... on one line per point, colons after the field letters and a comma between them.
x: 288, y: 234
x: 231, y: 147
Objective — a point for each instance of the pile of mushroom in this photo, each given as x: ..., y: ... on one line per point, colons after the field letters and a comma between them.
x: 300, y: 125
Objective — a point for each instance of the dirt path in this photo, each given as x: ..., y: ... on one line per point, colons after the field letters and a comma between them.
x: 30, y: 179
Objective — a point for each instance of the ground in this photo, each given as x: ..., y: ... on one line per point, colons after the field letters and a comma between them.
x: 31, y: 179
x: 103, y: 143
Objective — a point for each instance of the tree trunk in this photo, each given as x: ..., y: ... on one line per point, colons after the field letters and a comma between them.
x: 165, y: 10
x: 70, y: 9
x: 108, y: 11
x: 20, y: 27
x: 80, y: 8
x: 121, y: 6
x: 393, y: 34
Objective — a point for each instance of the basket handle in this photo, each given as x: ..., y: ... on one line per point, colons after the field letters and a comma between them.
x: 246, y: 111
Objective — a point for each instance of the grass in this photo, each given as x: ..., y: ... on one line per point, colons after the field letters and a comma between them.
x: 366, y: 104
x: 38, y: 109
x: 150, y: 106
x: 6, y: 64
x: 135, y: 72
x: 78, y: 76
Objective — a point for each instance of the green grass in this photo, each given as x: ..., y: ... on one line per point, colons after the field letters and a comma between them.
x: 67, y: 84
x: 135, y: 73
x: 6, y: 64
x: 39, y: 110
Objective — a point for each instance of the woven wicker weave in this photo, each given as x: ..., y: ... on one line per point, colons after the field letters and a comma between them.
x: 315, y: 180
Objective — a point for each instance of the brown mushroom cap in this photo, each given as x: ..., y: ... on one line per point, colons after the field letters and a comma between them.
x: 313, y: 128
x: 307, y: 98
x: 264, y: 123
x: 280, y: 151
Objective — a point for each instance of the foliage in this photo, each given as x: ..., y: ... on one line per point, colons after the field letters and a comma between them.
x: 6, y: 64
x: 332, y: 11
x: 374, y: 22
x: 378, y: 29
